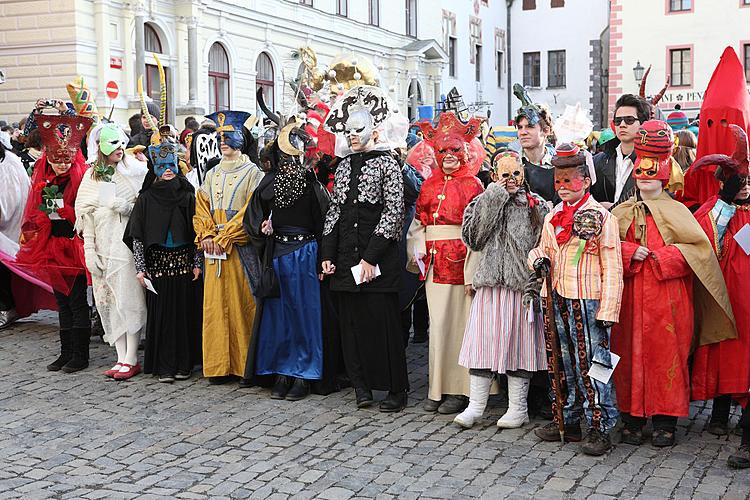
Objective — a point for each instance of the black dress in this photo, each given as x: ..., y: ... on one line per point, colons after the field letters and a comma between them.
x: 160, y: 234
x: 364, y: 222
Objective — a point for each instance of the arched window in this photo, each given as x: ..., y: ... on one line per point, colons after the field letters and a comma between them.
x: 151, y: 39
x: 218, y: 78
x: 414, y: 98
x: 264, y: 78
x: 152, y: 43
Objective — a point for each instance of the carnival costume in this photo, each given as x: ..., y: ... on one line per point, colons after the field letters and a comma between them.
x: 435, y: 238
x: 363, y: 223
x: 504, y: 334
x: 160, y: 234
x: 580, y: 247
x: 722, y: 371
x: 658, y: 319
x: 101, y: 220
x: 50, y: 249
x: 290, y: 337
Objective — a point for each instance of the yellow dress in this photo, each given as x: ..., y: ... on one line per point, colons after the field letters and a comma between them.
x: 228, y: 304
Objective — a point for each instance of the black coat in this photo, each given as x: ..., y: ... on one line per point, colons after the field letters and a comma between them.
x: 605, y: 165
x: 359, y: 202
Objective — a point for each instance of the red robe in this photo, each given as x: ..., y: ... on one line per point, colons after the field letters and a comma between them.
x: 724, y: 368
x: 655, y: 330
x: 446, y: 196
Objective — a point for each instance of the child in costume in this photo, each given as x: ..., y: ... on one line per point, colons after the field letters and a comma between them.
x: 50, y: 247
x: 503, y: 336
x: 668, y: 267
x: 722, y: 371
x: 436, y: 236
x: 160, y: 234
x: 580, y: 247
x: 119, y: 300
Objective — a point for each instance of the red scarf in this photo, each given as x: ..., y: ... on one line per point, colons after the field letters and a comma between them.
x: 564, y: 219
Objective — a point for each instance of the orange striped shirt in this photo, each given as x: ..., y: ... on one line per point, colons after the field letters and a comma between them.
x: 598, y: 274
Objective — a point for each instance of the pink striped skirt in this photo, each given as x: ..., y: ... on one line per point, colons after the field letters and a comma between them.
x: 499, y: 335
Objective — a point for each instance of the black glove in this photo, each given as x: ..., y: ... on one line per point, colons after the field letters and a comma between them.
x: 730, y: 189
x: 542, y: 266
x: 604, y: 324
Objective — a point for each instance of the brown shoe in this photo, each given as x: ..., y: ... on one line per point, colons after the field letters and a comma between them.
x: 551, y: 432
x: 596, y: 443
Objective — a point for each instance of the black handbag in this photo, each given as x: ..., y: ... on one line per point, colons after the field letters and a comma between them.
x: 268, y: 285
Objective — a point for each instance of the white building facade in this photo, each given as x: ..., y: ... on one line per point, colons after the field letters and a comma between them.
x: 682, y: 39
x: 557, y: 52
x: 217, y: 53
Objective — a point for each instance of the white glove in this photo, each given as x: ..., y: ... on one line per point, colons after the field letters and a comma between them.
x: 93, y: 262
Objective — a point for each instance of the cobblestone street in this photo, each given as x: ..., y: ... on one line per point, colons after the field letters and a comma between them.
x: 85, y: 436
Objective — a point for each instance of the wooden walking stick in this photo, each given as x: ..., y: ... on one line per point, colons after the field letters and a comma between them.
x: 553, y: 353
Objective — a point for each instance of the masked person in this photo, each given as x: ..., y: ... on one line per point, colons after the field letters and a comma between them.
x: 285, y: 223
x: 504, y: 334
x: 50, y: 247
x: 105, y: 199
x: 228, y: 304
x: 668, y: 268
x: 722, y: 371
x: 160, y: 234
x: 435, y: 240
x: 580, y: 247
x: 360, y: 236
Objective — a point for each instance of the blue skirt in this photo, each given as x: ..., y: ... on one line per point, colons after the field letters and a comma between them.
x: 290, y: 339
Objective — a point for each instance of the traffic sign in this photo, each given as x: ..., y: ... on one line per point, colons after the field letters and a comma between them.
x: 112, y: 90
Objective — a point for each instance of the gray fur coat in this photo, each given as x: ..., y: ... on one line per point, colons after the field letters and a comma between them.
x: 498, y: 225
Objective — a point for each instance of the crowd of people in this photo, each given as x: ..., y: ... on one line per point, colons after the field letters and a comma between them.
x: 300, y: 252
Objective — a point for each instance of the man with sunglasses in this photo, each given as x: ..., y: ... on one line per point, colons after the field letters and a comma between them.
x: 614, y: 165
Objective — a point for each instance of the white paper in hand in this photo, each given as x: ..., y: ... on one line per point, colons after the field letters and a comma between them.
x: 150, y: 286
x: 215, y: 256
x: 59, y: 204
x: 357, y: 273
x: 107, y: 192
x: 742, y: 237
x: 602, y: 373
x: 420, y: 262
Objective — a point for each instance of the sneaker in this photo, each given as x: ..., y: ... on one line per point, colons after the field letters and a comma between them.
x: 182, y: 376
x: 596, y: 443
x: 166, y: 379
x: 662, y: 438
x: 551, y: 432
x: 453, y: 404
x: 741, y: 458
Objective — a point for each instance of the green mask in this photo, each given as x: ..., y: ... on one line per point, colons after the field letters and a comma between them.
x: 110, y: 139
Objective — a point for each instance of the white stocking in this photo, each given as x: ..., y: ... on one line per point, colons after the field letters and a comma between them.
x: 131, y: 357
x: 121, y: 346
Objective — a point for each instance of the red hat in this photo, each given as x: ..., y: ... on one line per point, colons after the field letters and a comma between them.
x: 62, y: 135
x: 653, y: 150
x: 452, y: 134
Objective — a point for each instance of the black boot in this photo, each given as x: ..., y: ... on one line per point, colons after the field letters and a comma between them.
x: 364, y: 397
x: 66, y: 351
x: 80, y: 359
x: 396, y: 401
x: 281, y: 387
x: 300, y: 389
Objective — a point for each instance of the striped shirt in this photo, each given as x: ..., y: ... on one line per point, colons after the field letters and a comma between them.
x: 598, y: 274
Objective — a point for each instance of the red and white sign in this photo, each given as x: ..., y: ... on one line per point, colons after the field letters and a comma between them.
x: 115, y: 62
x: 112, y: 90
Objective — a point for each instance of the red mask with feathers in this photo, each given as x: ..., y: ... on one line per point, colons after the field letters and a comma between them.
x: 452, y: 138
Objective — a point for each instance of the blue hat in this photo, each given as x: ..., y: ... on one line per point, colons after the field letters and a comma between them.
x: 229, y: 126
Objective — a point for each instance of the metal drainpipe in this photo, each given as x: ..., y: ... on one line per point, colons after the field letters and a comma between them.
x: 509, y: 4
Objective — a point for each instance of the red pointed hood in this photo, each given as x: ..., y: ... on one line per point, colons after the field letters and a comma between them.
x: 726, y: 99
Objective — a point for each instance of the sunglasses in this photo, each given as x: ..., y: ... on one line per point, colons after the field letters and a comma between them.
x: 629, y: 120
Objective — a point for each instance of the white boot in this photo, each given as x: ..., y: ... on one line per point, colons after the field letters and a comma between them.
x: 518, y: 413
x: 479, y: 391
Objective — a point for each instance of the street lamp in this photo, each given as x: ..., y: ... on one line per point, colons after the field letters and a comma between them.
x: 638, y: 72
